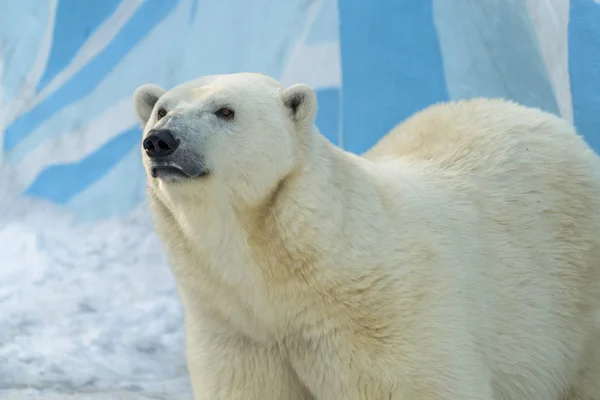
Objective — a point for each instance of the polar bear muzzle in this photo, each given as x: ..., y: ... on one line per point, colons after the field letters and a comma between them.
x: 170, y: 160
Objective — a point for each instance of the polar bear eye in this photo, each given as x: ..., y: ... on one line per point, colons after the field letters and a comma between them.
x: 161, y: 113
x: 225, y: 113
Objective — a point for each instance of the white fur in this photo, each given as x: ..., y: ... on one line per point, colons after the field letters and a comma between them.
x: 458, y: 259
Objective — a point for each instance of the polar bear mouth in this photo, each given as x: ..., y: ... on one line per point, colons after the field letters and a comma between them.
x: 168, y: 171
x: 175, y: 171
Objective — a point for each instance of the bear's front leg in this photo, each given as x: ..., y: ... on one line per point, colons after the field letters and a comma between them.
x: 226, y: 365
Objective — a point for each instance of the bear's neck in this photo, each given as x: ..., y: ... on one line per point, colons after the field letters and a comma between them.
x: 313, y: 216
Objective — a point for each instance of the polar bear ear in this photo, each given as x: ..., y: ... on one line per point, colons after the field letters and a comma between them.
x: 144, y: 99
x: 301, y: 101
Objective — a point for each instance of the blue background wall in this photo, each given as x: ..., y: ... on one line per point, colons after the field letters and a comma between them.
x: 68, y: 69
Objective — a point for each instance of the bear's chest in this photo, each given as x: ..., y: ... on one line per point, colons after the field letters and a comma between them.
x: 223, y: 283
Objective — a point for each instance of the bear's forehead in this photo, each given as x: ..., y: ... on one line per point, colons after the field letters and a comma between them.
x: 223, y: 85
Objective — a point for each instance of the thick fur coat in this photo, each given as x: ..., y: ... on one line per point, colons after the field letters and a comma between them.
x: 457, y: 259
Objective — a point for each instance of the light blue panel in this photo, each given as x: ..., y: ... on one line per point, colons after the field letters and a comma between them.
x: 60, y: 183
x: 584, y: 68
x: 117, y: 193
x: 391, y: 66
x: 255, y: 36
x: 490, y: 50
x: 328, y: 114
x: 75, y: 21
x: 146, y: 16
x: 22, y: 29
x: 324, y: 29
x: 262, y: 32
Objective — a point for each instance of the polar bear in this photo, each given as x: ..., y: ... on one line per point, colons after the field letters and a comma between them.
x: 459, y: 258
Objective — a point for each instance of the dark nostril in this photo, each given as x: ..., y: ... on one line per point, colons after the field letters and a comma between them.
x: 163, y: 145
x: 160, y: 143
x: 148, y: 145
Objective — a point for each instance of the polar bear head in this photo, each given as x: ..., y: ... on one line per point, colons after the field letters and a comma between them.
x: 234, y: 135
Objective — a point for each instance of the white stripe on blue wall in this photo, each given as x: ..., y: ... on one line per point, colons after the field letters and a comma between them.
x: 495, y: 54
x: 60, y: 183
x: 77, y: 143
x: 74, y: 22
x: 95, y: 43
x: 150, y: 13
x: 550, y: 20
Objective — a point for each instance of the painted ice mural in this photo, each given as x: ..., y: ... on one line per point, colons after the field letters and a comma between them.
x: 73, y: 230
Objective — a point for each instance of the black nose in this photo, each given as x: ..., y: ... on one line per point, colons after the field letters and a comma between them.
x: 160, y: 143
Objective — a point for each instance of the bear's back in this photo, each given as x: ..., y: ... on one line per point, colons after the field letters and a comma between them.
x: 472, y: 134
x: 514, y: 163
x: 535, y: 241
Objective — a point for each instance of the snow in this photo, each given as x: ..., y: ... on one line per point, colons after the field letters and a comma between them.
x: 89, y: 309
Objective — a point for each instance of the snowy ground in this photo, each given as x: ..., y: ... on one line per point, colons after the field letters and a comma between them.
x: 85, y: 308
x: 81, y: 395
